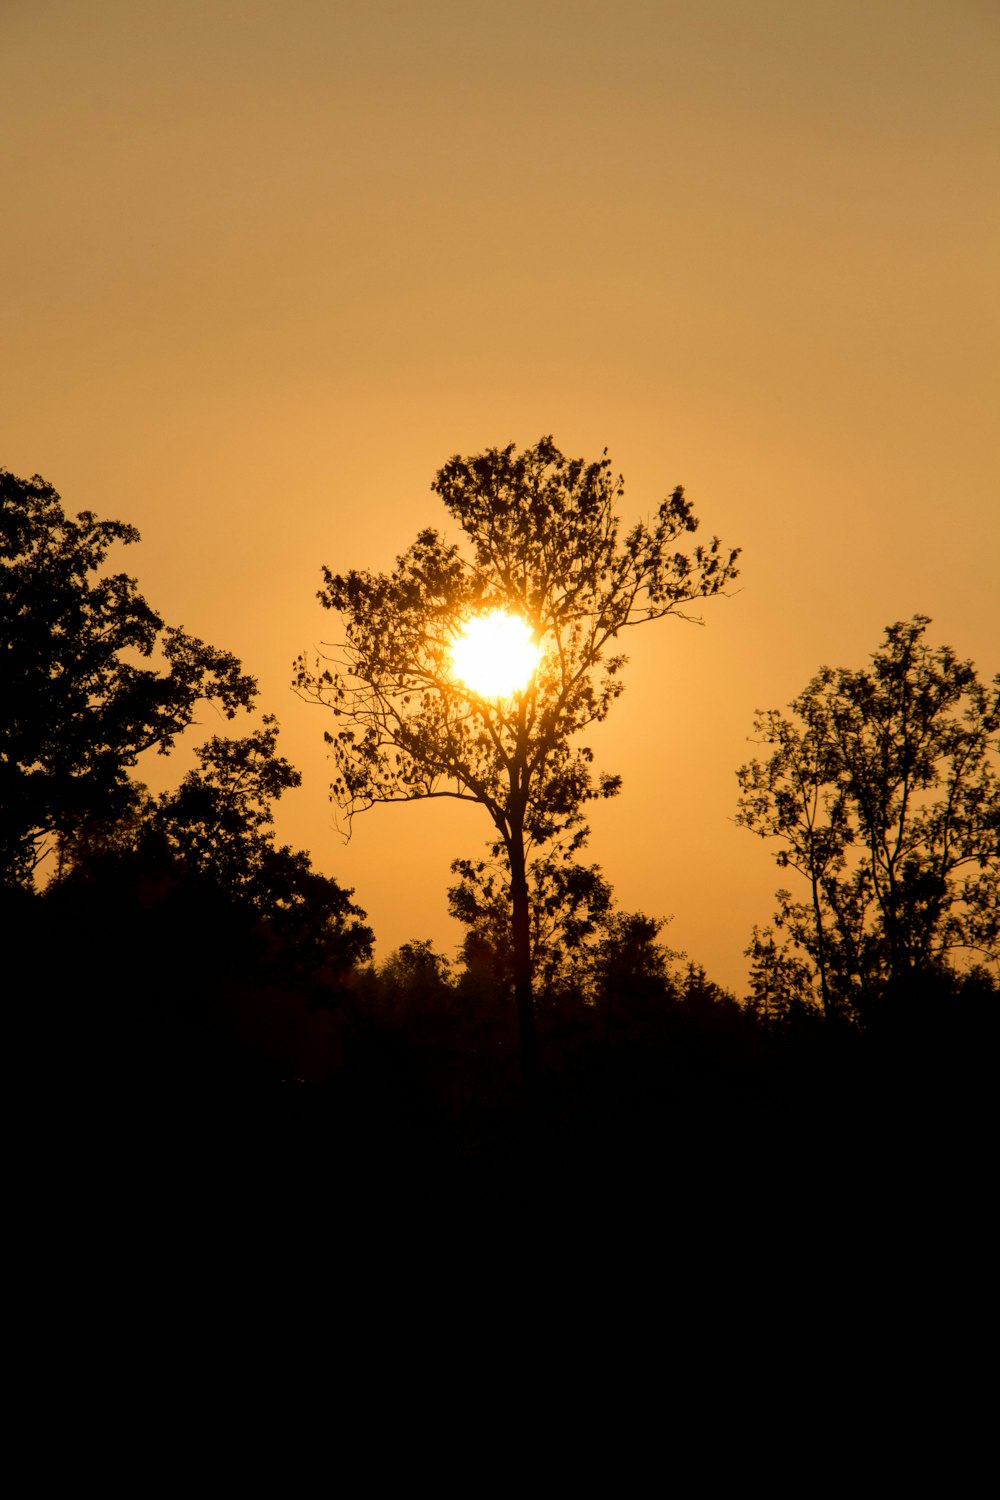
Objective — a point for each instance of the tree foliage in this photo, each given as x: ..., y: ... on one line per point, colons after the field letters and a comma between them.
x: 781, y: 981
x: 215, y: 833
x: 882, y: 788
x: 220, y: 823
x: 541, y: 540
x: 82, y: 698
x: 570, y: 905
x: 544, y: 544
x: 417, y: 974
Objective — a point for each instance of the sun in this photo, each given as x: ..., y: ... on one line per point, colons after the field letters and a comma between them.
x: 494, y: 654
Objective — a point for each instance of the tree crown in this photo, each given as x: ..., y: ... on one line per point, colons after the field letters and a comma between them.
x: 882, y: 788
x: 81, y: 704
x: 542, y: 540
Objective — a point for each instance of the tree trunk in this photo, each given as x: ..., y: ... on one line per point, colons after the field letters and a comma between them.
x: 523, y: 995
x: 824, y: 986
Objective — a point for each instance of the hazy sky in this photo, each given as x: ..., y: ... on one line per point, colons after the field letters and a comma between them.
x: 265, y: 267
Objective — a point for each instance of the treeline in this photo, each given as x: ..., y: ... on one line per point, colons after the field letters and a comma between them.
x: 174, y: 965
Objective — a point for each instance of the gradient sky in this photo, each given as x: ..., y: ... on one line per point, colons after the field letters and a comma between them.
x: 265, y: 267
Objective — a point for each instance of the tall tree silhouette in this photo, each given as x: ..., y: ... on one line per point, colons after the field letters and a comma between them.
x: 79, y: 704
x: 541, y: 542
x: 882, y: 788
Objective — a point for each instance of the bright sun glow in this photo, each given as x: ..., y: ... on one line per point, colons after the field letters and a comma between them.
x: 495, y: 655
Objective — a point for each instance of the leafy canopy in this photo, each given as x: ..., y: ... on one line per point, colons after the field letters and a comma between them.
x: 571, y: 906
x: 540, y: 539
x: 219, y: 824
x: 81, y: 701
x: 210, y: 844
x: 881, y: 786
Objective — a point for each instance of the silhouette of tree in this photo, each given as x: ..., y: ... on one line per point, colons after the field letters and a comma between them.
x: 631, y: 959
x: 882, y: 787
x: 543, y: 544
x: 569, y: 907
x: 780, y: 981
x: 220, y: 823
x: 80, y: 706
x: 220, y: 819
x: 415, y: 972
x: 217, y: 831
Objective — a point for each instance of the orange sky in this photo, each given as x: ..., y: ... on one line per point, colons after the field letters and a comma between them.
x: 266, y: 267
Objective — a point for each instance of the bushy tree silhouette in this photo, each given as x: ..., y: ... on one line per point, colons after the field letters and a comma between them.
x: 157, y: 907
x: 219, y: 823
x: 79, y: 703
x: 882, y: 788
x: 569, y: 905
x: 214, y: 834
x: 543, y: 544
x: 781, y: 981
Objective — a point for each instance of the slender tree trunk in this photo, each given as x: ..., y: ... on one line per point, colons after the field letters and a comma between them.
x: 824, y: 986
x: 523, y: 995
